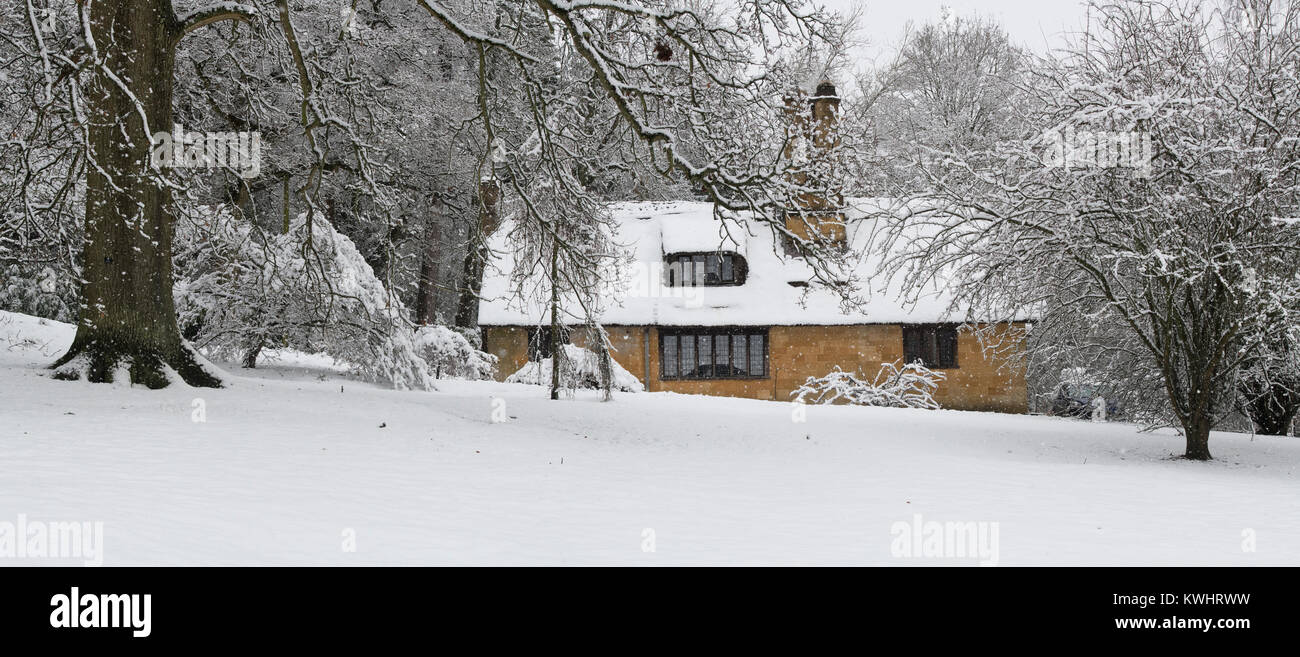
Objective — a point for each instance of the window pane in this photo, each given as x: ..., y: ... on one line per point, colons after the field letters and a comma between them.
x: 912, y: 344
x: 947, y: 339
x: 722, y: 355
x: 714, y: 354
x: 738, y: 356
x: 670, y: 355
x: 705, y: 348
x: 723, y: 268
x: 688, y: 355
x: 757, y: 348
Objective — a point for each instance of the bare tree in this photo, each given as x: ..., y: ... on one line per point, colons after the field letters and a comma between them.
x: 952, y: 86
x: 1084, y: 226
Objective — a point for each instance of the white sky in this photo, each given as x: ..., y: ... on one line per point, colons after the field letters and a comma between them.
x: 1035, y: 24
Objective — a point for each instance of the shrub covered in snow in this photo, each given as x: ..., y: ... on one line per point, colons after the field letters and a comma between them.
x: 911, y: 386
x: 579, y: 368
x: 240, y: 289
x: 39, y: 291
x: 450, y: 354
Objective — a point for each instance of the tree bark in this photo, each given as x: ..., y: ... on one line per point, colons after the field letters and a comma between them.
x: 426, y: 300
x: 128, y: 317
x: 476, y: 257
x: 1197, y: 432
x: 556, y: 344
x: 250, y: 356
x: 604, y: 359
x: 426, y: 295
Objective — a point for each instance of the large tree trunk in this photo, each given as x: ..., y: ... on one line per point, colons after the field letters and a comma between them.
x: 128, y: 318
x: 1197, y: 432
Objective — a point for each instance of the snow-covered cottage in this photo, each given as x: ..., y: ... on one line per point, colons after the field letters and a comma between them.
x: 707, y: 310
x: 748, y: 326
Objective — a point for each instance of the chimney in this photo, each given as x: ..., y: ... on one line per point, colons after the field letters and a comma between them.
x: 816, y: 214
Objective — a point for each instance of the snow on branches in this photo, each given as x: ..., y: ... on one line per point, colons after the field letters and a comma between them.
x: 240, y: 289
x: 1135, y: 213
x: 451, y: 355
x: 579, y: 368
x: 910, y: 386
x: 41, y: 292
x: 598, y: 99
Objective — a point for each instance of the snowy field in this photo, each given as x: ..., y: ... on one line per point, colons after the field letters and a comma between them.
x: 295, y: 459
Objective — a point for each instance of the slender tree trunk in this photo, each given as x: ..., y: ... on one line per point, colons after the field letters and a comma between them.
x: 426, y: 300
x: 471, y: 287
x: 128, y: 317
x: 556, y: 345
x: 284, y: 202
x: 604, y: 360
x: 250, y: 356
x: 476, y: 258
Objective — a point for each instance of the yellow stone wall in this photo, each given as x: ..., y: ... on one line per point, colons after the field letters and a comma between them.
x: 796, y: 353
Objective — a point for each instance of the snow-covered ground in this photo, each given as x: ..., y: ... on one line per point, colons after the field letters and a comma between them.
x: 295, y: 460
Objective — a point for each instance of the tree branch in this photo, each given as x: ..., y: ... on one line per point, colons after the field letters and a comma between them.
x: 220, y: 11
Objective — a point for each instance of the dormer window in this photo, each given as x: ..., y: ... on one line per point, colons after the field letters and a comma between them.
x: 705, y: 269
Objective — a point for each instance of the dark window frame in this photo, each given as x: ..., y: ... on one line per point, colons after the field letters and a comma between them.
x: 673, y: 269
x: 934, y: 345
x: 698, y: 334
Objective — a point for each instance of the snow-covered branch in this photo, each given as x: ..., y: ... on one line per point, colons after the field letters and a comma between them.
x: 207, y: 15
x: 910, y: 386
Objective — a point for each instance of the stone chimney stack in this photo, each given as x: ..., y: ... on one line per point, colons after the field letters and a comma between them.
x: 826, y: 116
x: 817, y: 213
